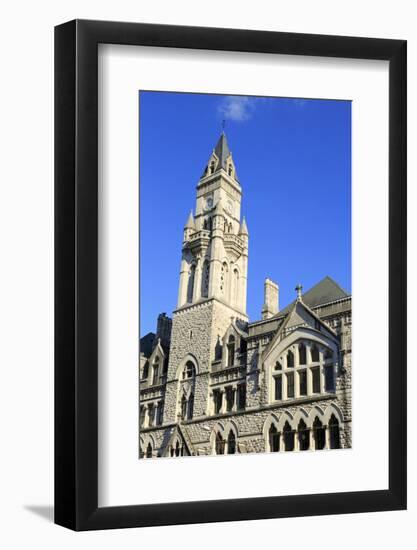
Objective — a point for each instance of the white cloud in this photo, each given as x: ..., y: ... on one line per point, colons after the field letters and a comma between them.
x: 237, y: 108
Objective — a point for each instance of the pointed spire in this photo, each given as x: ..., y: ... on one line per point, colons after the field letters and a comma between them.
x: 190, y: 222
x: 243, y: 227
x: 222, y: 151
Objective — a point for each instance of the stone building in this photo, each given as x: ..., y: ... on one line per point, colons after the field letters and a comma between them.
x: 211, y: 381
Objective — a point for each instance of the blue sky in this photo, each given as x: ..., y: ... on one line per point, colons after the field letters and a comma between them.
x: 293, y: 159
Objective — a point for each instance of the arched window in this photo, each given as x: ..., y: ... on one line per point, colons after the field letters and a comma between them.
x: 231, y: 351
x: 334, y: 432
x: 273, y: 439
x: 236, y: 287
x: 219, y: 448
x: 290, y: 359
x: 288, y: 437
x: 155, y: 373
x: 231, y: 443
x: 230, y: 171
x: 212, y: 166
x: 149, y: 451
x: 315, y: 356
x: 177, y: 449
x: 190, y: 288
x: 302, y: 354
x: 183, y: 407
x: 189, y: 370
x: 278, y: 366
x: 319, y: 434
x: 205, y: 279
x: 303, y: 436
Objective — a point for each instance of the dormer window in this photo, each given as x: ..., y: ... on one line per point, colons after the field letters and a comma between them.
x: 212, y: 166
x: 230, y: 170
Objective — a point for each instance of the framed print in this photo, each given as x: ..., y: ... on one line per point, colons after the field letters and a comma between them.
x: 230, y: 275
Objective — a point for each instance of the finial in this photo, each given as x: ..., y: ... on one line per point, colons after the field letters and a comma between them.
x: 223, y: 125
x: 299, y: 290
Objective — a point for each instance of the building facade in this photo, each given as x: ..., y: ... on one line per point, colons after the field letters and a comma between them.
x: 211, y: 381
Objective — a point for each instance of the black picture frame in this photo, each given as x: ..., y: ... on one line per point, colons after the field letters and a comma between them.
x: 76, y: 272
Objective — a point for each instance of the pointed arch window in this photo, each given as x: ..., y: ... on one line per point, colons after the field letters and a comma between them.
x: 303, y: 436
x: 219, y: 445
x: 212, y: 166
x: 231, y: 351
x: 319, y: 434
x: 155, y: 372
x: 274, y: 437
x: 334, y: 433
x: 288, y: 437
x: 302, y: 354
x: 230, y: 170
x: 190, y: 288
x: 290, y: 359
x: 231, y: 443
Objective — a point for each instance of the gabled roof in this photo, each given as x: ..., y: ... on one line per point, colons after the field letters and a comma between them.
x: 325, y: 291
x: 182, y: 434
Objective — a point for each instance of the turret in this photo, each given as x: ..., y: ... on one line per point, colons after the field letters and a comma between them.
x: 189, y: 227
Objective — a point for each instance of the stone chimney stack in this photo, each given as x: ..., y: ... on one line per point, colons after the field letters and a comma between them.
x: 163, y: 329
x: 271, y: 300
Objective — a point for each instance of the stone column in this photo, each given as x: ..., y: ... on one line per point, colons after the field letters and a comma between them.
x: 234, y: 406
x: 322, y: 378
x: 311, y: 439
x: 309, y: 381
x: 197, y: 281
x: 326, y: 437
x: 296, y: 384
x: 284, y: 386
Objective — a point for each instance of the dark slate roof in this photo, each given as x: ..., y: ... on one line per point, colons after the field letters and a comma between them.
x: 327, y: 290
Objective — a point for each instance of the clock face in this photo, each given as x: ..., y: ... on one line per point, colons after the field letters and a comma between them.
x: 209, y: 203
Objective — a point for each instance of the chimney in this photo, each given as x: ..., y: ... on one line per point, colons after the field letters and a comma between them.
x: 163, y: 329
x: 271, y: 299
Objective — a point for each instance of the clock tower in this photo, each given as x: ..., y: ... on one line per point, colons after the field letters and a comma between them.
x: 213, y: 276
x: 215, y: 245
